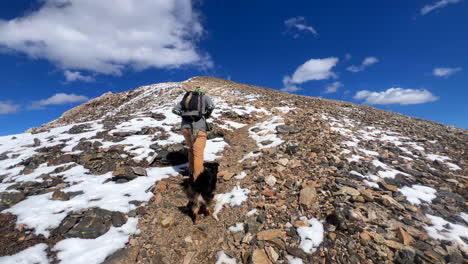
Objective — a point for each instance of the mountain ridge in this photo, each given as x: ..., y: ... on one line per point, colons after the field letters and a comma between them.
x: 301, y: 180
x: 217, y: 81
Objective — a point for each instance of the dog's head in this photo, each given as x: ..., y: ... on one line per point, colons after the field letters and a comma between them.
x: 212, y: 167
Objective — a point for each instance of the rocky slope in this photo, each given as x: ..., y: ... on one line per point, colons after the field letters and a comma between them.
x: 302, y: 180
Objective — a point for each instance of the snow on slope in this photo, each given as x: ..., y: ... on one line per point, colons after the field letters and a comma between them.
x: 42, y: 214
x: 415, y: 194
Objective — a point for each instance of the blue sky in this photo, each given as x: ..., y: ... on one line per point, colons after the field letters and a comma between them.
x: 404, y: 56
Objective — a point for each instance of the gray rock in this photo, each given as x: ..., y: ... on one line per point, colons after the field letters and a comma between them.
x: 4, y: 156
x: 7, y: 199
x: 158, y: 116
x: 252, y: 227
x: 172, y: 155
x: 266, y: 142
x: 60, y: 196
x: 37, y: 142
x: 90, y: 224
x: 123, y: 133
x: 296, y: 252
x: 139, y: 171
x: 33, y: 188
x: 283, y: 129
x: 78, y: 129
x: 405, y: 255
x: 123, y: 256
x: 347, y: 183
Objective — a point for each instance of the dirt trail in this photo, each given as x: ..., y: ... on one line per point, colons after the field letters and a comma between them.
x: 167, y: 232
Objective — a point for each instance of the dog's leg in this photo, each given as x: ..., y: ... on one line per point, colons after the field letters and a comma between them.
x: 206, y: 205
x: 196, y: 206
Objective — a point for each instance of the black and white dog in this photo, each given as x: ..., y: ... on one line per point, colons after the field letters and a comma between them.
x: 201, y: 192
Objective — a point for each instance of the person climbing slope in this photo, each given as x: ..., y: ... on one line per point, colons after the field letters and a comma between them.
x: 194, y: 108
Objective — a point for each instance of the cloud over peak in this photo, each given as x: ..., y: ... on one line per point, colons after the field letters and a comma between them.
x: 396, y: 96
x: 71, y: 76
x: 60, y: 99
x: 333, y: 88
x: 297, y: 25
x: 368, y: 61
x: 313, y: 69
x: 8, y: 108
x: 436, y: 5
x: 445, y: 72
x: 107, y: 36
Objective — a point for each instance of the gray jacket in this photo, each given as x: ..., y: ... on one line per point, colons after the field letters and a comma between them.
x: 200, y: 124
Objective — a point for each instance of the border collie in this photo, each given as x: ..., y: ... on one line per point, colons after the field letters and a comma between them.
x: 201, y: 191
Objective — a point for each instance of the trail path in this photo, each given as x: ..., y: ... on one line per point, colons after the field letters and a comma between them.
x: 167, y: 232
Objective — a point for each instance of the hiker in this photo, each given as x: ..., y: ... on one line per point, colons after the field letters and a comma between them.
x: 194, y: 109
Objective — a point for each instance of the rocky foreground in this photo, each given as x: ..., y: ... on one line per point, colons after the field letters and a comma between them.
x: 302, y: 180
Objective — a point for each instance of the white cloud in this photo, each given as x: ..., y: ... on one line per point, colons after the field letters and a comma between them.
x: 445, y: 72
x: 439, y: 4
x: 8, y: 108
x: 396, y: 96
x: 298, y: 24
x: 59, y: 99
x: 71, y: 76
x: 289, y: 86
x: 365, y: 63
x: 108, y: 36
x: 332, y: 88
x: 313, y: 69
x: 369, y: 61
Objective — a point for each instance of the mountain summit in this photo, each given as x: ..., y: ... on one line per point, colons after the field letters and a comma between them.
x: 301, y: 180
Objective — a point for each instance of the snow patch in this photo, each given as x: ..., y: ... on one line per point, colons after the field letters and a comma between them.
x: 444, y: 230
x: 213, y: 147
x: 43, y: 214
x: 224, y: 259
x: 311, y: 236
x: 265, y: 131
x: 293, y: 260
x: 237, y: 228
x: 241, y: 175
x: 95, y: 251
x: 235, y: 197
x: 418, y: 193
x: 251, y: 212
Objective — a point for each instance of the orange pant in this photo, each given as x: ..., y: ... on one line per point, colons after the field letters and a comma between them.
x: 195, y: 151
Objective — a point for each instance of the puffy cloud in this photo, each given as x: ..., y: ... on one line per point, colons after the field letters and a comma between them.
x: 59, y: 99
x: 289, y: 86
x: 298, y: 25
x: 332, y: 88
x: 8, y: 108
x: 365, y: 63
x: 396, y: 96
x: 107, y: 36
x: 71, y: 76
x: 439, y: 4
x: 313, y: 69
x: 369, y: 61
x: 445, y: 72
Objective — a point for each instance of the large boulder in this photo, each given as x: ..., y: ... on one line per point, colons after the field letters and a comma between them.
x: 91, y: 223
x: 8, y: 199
x: 170, y: 155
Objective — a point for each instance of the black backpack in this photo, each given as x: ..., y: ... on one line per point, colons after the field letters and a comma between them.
x: 192, y: 106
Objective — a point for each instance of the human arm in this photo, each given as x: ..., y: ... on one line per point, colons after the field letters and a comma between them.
x: 177, y: 109
x: 209, y: 107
